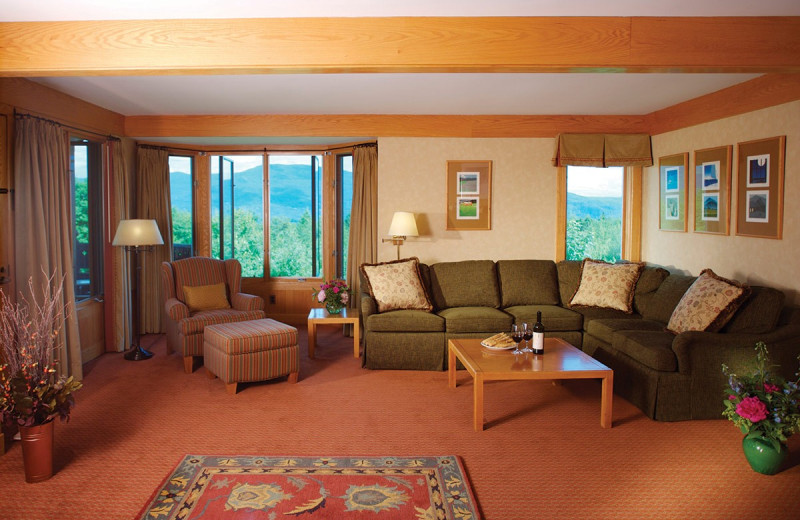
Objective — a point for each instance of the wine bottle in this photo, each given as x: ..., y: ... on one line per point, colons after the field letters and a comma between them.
x: 538, y: 335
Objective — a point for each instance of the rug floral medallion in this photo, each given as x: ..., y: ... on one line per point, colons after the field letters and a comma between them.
x: 254, y: 487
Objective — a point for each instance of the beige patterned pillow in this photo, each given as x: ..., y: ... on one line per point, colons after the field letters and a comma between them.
x: 708, y: 304
x: 397, y: 285
x: 609, y: 286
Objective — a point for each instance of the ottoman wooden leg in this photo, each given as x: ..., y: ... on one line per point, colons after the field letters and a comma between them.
x: 210, y: 374
x: 293, y: 377
x: 231, y: 388
x: 188, y: 364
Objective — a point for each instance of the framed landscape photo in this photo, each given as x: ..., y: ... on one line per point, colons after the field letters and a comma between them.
x: 469, y: 195
x: 759, y: 182
x: 712, y: 190
x: 673, y: 175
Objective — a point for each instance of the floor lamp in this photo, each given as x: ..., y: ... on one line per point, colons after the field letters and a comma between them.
x: 137, y: 236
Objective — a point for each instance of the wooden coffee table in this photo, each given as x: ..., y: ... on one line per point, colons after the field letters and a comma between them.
x: 559, y: 361
x: 320, y: 316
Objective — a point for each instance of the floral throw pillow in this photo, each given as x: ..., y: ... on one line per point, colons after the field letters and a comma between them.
x: 608, y: 286
x: 708, y: 304
x: 397, y: 285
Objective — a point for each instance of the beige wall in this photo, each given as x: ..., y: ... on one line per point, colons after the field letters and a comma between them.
x: 411, y: 177
x: 756, y: 261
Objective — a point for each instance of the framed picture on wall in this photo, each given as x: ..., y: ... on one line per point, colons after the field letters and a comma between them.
x: 673, y: 171
x: 759, y: 182
x: 712, y: 190
x: 469, y: 195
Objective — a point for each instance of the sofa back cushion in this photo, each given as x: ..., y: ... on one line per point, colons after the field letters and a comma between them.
x: 569, y: 276
x: 759, y: 313
x: 666, y: 298
x: 649, y: 281
x: 527, y: 282
x: 471, y: 283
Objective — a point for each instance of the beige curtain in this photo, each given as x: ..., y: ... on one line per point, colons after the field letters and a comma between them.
x: 363, y: 245
x: 118, y: 295
x: 43, y: 225
x: 603, y: 150
x: 153, y: 201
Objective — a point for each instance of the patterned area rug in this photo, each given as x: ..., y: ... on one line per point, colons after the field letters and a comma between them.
x: 423, y: 488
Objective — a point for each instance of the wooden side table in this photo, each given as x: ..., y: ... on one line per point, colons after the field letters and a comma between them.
x: 320, y: 316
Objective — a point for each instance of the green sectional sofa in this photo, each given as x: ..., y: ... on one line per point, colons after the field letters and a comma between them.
x: 669, y: 377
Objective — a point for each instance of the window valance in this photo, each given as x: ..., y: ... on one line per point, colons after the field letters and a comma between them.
x: 603, y: 150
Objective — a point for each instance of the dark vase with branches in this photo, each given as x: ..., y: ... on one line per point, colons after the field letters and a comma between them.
x: 32, y: 394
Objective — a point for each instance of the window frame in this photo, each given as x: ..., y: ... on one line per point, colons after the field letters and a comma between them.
x: 631, y: 214
x: 95, y: 216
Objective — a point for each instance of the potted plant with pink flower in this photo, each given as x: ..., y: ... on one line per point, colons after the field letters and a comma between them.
x: 334, y: 295
x: 766, y: 408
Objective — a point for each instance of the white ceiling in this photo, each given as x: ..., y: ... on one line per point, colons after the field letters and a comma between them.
x: 500, y: 93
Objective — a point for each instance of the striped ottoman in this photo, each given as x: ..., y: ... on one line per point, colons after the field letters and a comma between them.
x: 254, y: 350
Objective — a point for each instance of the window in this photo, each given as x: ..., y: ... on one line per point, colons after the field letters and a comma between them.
x: 87, y: 217
x: 344, y: 205
x: 295, y: 208
x: 237, y: 210
x: 594, y: 213
x: 180, y: 189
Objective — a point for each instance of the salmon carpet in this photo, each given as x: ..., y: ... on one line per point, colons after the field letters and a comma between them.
x: 543, y: 453
x: 385, y: 488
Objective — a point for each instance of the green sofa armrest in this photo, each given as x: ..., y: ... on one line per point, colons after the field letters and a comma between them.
x: 368, y: 306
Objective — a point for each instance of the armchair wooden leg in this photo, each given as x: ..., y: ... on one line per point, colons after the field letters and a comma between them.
x: 188, y: 364
x: 231, y: 388
x: 293, y: 377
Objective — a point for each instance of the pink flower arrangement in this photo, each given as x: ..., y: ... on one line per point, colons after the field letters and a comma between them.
x: 334, y: 294
x: 762, y: 404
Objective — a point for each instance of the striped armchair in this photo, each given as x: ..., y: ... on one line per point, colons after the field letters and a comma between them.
x: 185, y: 327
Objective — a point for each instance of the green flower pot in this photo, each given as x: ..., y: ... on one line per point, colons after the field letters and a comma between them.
x: 762, y: 455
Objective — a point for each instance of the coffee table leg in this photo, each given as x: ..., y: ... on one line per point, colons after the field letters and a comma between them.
x: 478, y: 403
x: 606, y: 401
x: 451, y: 368
x: 312, y: 338
x: 356, y: 339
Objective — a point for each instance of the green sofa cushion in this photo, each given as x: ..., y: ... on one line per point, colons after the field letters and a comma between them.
x: 649, y: 281
x: 405, y: 321
x: 554, y: 318
x: 528, y: 282
x: 471, y: 283
x: 666, y: 297
x: 604, y: 329
x: 651, y: 348
x: 759, y: 313
x: 475, y: 319
x: 569, y: 276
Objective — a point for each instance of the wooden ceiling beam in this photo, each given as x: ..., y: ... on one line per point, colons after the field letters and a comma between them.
x: 400, y: 45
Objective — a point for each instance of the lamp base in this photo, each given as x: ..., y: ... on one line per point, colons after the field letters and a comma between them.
x: 137, y: 353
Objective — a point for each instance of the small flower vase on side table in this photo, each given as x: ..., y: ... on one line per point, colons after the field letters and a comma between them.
x: 333, y: 308
x: 762, y: 455
x: 37, y: 451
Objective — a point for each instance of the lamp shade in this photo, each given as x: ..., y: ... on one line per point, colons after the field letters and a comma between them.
x: 403, y: 225
x: 137, y: 232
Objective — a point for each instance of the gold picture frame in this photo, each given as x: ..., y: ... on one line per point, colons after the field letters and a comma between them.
x: 469, y: 195
x: 712, y: 190
x: 673, y: 172
x: 759, y: 182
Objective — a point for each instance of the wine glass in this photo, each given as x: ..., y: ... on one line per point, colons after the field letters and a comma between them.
x: 516, y: 335
x: 527, y: 334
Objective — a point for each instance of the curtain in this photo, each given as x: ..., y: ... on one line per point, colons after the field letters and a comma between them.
x: 363, y: 244
x: 43, y: 226
x: 153, y: 202
x: 603, y: 150
x: 118, y: 293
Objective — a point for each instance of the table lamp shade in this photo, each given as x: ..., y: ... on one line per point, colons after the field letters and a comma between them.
x: 403, y: 224
x: 137, y: 232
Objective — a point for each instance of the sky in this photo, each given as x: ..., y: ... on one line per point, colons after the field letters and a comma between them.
x: 595, y: 182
